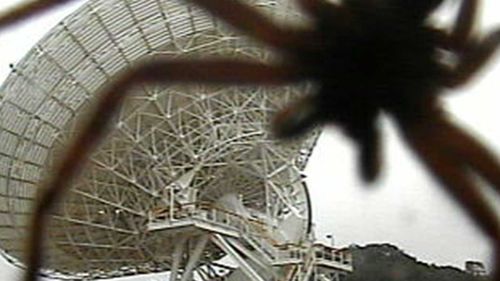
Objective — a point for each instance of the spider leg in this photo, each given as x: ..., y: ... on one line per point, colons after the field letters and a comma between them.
x: 231, y: 71
x: 472, y: 59
x: 474, y: 154
x: 464, y: 23
x: 296, y: 118
x: 431, y: 143
x: 317, y: 8
x: 159, y: 70
x: 255, y: 24
x: 369, y: 152
x: 27, y: 9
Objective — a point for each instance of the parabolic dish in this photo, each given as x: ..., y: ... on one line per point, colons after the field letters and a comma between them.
x: 209, y: 142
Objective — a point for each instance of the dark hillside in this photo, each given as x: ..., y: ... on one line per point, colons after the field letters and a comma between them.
x: 385, y: 262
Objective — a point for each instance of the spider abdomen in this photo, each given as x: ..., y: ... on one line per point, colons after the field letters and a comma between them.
x: 378, y: 64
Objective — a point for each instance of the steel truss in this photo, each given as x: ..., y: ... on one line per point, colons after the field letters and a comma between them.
x: 188, y: 175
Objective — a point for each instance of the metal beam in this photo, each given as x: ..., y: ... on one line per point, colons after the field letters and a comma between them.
x: 194, y: 257
x: 176, y: 258
x: 245, y: 267
x: 251, y: 255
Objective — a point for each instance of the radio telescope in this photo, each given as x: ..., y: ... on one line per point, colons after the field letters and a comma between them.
x: 188, y: 180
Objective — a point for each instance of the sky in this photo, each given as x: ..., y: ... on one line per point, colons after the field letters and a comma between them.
x: 405, y: 207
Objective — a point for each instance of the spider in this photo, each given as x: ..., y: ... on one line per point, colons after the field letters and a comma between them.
x: 369, y: 57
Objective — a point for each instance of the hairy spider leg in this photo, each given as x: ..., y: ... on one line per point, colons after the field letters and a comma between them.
x: 28, y: 9
x: 472, y: 54
x: 453, y: 156
x: 450, y: 155
x: 464, y: 23
x: 254, y: 24
x: 318, y: 8
x: 472, y: 59
x: 475, y: 155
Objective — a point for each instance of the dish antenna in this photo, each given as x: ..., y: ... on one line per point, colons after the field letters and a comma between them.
x: 188, y: 180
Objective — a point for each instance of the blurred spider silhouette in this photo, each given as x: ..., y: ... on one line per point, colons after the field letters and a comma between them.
x: 369, y: 57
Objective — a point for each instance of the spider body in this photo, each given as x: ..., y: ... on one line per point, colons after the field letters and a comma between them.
x: 386, y: 63
x: 367, y: 57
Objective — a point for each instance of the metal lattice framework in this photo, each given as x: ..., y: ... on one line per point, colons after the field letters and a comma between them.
x: 169, y: 146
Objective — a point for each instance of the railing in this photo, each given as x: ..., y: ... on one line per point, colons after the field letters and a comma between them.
x: 261, y: 244
x: 321, y: 252
x: 253, y: 232
x: 325, y: 253
x: 204, y: 212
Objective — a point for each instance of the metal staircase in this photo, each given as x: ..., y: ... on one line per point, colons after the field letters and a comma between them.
x: 248, y: 243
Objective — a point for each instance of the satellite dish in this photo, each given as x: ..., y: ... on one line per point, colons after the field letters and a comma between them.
x: 188, y: 177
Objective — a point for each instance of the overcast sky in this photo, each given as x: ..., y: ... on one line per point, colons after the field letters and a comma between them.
x: 405, y: 207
